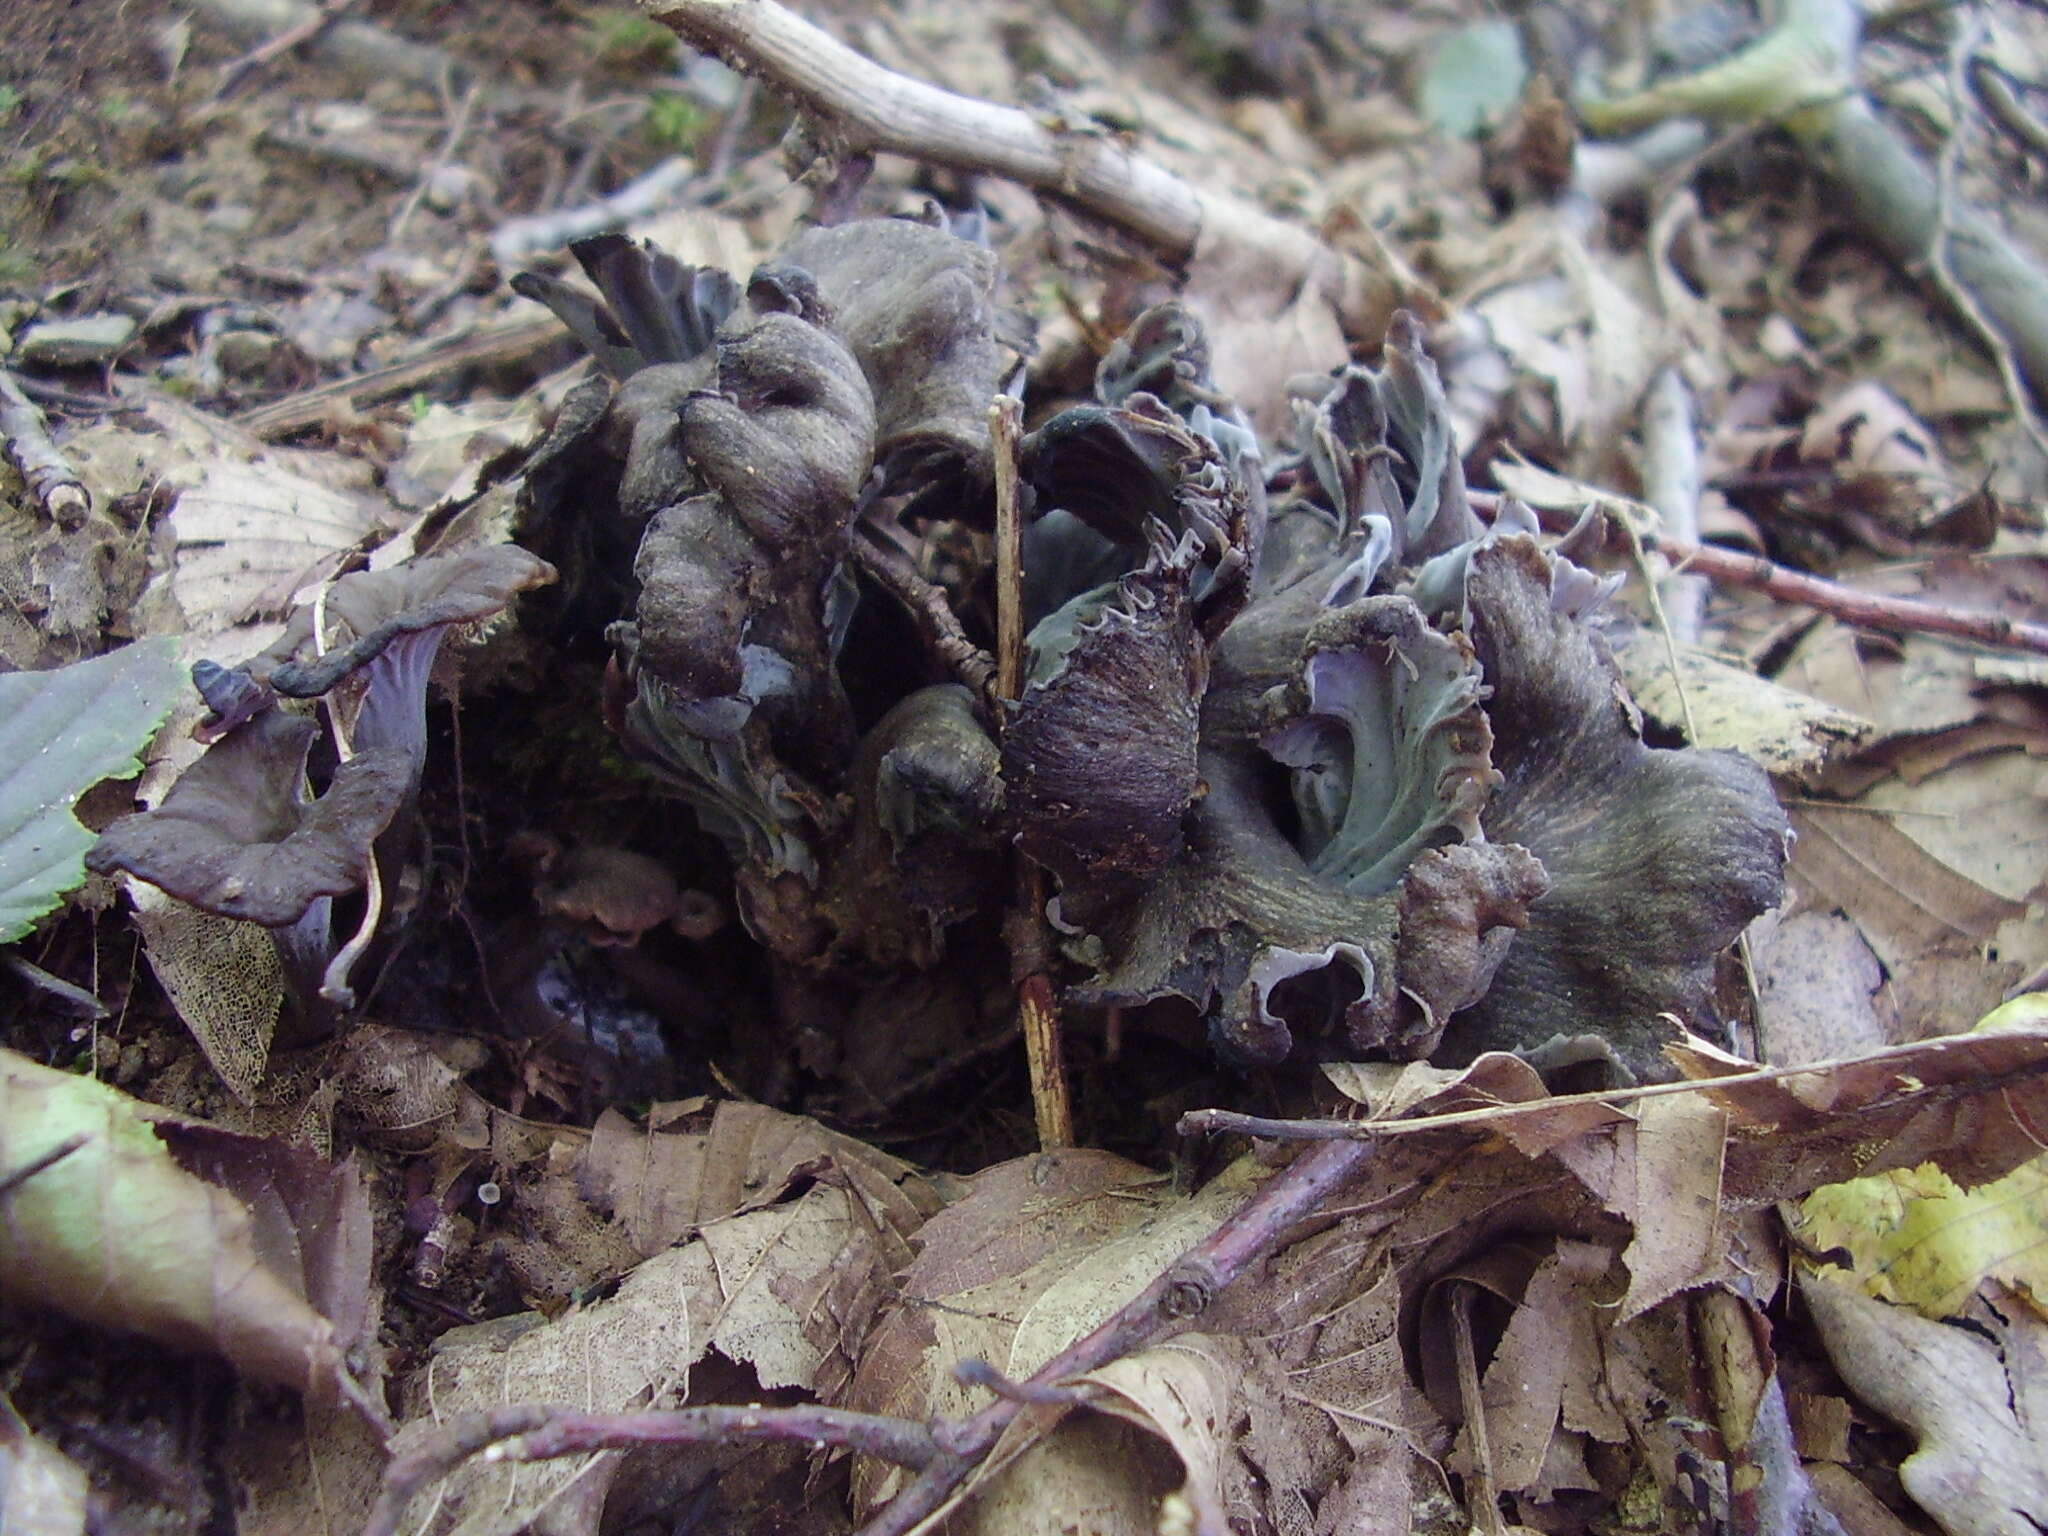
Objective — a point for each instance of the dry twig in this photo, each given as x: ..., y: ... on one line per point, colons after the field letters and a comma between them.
x: 926, y: 604
x: 1025, y: 930
x: 655, y: 189
x: 305, y: 29
x: 1871, y: 610
x: 541, y: 1432
x: 498, y: 346
x: 44, y: 469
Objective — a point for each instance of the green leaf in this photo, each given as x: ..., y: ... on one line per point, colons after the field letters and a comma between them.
x: 61, y: 732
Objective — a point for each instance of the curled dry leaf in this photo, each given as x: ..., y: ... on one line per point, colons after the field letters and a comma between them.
x: 196, y: 1237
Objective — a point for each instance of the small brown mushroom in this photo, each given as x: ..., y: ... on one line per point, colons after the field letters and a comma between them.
x: 614, y: 895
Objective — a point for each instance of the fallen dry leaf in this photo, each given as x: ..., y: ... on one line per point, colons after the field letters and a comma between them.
x: 785, y: 1289
x: 1928, y: 922
x: 1820, y: 989
x: 1791, y: 734
x: 197, y: 1237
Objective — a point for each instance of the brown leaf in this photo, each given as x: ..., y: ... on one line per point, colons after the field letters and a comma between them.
x: 1679, y: 1237
x: 120, y: 1236
x: 1913, y: 909
x: 685, y: 1170
x: 984, y: 1261
x: 1819, y: 987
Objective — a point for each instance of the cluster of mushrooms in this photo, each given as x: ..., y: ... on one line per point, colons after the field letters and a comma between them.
x: 1304, y: 743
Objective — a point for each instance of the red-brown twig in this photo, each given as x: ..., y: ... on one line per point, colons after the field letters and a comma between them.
x: 1178, y: 1296
x: 1202, y: 1122
x: 1872, y: 610
x: 541, y: 1432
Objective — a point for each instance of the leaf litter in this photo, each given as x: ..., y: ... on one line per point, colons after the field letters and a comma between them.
x: 1526, y: 1314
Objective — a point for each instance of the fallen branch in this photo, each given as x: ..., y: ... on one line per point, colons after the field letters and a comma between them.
x: 865, y: 108
x: 1872, y: 610
x: 44, y: 469
x: 542, y: 1432
x: 1175, y: 1298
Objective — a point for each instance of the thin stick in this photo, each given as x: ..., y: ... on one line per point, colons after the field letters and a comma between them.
x: 458, y: 128
x: 1198, y: 1122
x: 1030, y: 966
x: 14, y: 1178
x: 306, y: 29
x: 541, y: 1432
x: 661, y: 187
x: 1003, y: 426
x: 890, y: 570
x: 1872, y: 610
x: 1671, y: 484
x: 49, y: 475
x: 1173, y: 1300
x: 334, y: 987
x: 1484, y: 1504
x: 500, y: 345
